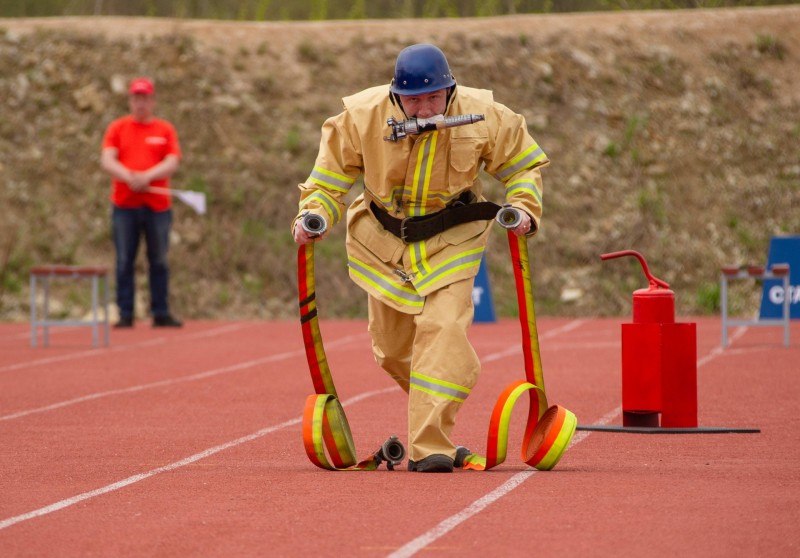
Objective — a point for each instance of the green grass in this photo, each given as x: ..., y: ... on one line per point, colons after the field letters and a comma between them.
x: 770, y: 45
x: 708, y: 298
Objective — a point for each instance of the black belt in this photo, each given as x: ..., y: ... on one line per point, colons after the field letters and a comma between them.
x: 414, y: 229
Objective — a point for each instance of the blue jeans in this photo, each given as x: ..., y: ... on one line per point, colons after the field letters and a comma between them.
x: 127, y: 227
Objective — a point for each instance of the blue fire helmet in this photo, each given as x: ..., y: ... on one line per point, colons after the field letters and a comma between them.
x: 421, y: 69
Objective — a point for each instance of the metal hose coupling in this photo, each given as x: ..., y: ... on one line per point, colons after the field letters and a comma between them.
x: 414, y: 125
x: 392, y: 452
x: 315, y: 225
x: 509, y: 217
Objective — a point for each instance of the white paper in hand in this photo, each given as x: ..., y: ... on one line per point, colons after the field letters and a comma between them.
x: 195, y: 200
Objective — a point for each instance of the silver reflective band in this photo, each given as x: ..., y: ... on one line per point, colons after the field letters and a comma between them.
x: 441, y: 388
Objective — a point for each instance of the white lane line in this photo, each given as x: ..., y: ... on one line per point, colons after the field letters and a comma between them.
x: 172, y: 381
x: 517, y: 349
x: 409, y: 549
x: 105, y: 351
x: 198, y: 456
x: 172, y: 466
x: 513, y: 350
x: 718, y: 350
x: 450, y: 523
x: 27, y: 334
x: 414, y: 546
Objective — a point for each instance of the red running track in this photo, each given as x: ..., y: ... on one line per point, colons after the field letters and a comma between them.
x: 188, y: 443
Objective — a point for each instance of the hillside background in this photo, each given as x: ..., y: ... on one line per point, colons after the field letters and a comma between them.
x: 674, y: 133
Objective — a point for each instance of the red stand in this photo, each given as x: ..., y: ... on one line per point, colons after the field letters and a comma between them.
x: 659, y: 375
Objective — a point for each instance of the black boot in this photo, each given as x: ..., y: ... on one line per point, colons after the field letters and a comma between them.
x: 436, y: 463
x: 167, y: 320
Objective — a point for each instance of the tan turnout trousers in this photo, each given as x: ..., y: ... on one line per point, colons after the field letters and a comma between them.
x: 429, y: 356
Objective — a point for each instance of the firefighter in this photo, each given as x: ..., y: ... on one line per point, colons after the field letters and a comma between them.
x: 416, y: 234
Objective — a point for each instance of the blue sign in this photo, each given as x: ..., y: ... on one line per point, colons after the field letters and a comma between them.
x: 782, y: 249
x: 482, y: 296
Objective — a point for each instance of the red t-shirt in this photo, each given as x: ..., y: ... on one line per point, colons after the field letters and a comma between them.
x: 140, y: 146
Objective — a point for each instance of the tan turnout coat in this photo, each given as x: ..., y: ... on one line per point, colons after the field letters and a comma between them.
x: 417, y: 176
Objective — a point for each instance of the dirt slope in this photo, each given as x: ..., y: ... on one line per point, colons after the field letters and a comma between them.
x: 672, y: 133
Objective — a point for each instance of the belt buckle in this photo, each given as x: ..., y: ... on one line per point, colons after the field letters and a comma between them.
x: 403, y: 226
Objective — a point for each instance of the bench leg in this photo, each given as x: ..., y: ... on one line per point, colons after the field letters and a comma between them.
x: 724, y: 307
x: 33, y: 311
x: 105, y: 304
x: 45, y: 327
x: 787, y: 309
x: 94, y: 312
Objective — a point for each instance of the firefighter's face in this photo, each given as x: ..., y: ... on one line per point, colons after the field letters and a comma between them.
x: 425, y: 105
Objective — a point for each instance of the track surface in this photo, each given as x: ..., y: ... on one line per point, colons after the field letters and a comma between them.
x: 188, y: 442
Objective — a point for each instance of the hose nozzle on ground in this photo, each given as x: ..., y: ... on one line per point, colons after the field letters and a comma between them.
x: 392, y: 452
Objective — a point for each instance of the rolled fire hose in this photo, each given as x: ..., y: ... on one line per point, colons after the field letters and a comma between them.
x: 325, y: 425
x: 548, y: 431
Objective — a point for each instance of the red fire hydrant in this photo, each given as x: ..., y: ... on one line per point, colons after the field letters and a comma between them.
x: 659, y: 358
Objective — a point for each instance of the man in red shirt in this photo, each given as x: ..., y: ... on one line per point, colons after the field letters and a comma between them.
x: 141, y: 151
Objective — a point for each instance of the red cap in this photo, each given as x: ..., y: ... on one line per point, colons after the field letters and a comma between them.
x: 141, y: 86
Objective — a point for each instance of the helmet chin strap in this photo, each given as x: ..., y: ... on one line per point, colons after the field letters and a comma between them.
x: 451, y: 91
x: 395, y: 99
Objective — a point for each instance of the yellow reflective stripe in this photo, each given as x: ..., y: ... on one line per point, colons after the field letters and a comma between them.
x: 427, y: 184
x: 331, y: 180
x: 419, y: 195
x: 523, y: 185
x: 388, y: 202
x: 412, y: 210
x: 419, y: 260
x: 327, y: 201
x: 439, y: 388
x: 422, y: 175
x: 401, y: 294
x: 524, y: 160
x: 470, y: 258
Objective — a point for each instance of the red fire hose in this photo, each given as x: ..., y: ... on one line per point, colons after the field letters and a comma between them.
x: 326, y: 434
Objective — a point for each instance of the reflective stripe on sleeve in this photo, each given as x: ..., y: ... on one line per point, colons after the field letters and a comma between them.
x: 331, y: 180
x: 523, y: 185
x: 524, y: 160
x: 327, y: 201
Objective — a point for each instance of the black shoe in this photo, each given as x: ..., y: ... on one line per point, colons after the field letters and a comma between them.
x: 461, y: 454
x: 166, y: 321
x: 124, y: 322
x: 436, y: 463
